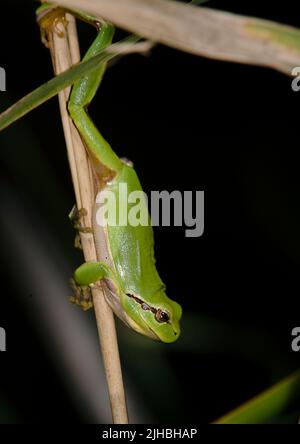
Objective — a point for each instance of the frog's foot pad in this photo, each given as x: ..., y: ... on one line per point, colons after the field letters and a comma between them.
x: 82, y: 296
x: 85, y: 305
x: 48, y: 19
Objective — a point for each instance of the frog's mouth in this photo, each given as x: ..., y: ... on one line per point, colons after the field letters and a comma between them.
x: 143, y: 304
x: 146, y: 307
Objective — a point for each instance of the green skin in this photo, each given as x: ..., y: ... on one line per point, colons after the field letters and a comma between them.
x: 127, y: 269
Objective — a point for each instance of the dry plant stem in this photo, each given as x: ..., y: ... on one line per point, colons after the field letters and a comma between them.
x: 65, y: 52
x: 201, y: 31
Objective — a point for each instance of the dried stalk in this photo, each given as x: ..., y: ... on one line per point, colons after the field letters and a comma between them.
x: 64, y: 49
x: 202, y: 31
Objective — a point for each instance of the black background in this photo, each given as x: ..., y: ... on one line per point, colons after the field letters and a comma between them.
x: 189, y: 124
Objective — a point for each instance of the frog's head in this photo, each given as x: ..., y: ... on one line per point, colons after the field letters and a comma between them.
x: 159, y: 321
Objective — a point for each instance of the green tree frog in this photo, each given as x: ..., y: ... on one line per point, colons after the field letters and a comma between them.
x: 126, y: 268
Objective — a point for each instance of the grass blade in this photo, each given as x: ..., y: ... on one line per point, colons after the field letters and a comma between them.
x: 269, y: 404
x: 53, y: 86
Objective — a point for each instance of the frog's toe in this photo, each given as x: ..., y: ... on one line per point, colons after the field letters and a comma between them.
x: 82, y: 296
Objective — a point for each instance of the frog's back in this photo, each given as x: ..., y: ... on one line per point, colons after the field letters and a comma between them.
x: 132, y: 247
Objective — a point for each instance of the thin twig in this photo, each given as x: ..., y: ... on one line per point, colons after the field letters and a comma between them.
x: 64, y: 49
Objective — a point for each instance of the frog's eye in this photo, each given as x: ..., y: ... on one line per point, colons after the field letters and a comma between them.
x: 162, y: 316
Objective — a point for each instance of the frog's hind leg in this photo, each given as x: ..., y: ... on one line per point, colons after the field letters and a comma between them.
x: 82, y: 93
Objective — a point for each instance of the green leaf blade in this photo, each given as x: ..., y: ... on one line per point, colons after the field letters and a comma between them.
x: 58, y: 83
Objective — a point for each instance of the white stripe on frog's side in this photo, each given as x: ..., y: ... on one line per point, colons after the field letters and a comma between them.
x: 104, y: 255
x: 110, y: 290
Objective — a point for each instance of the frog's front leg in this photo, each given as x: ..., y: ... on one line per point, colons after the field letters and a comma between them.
x: 85, y: 278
